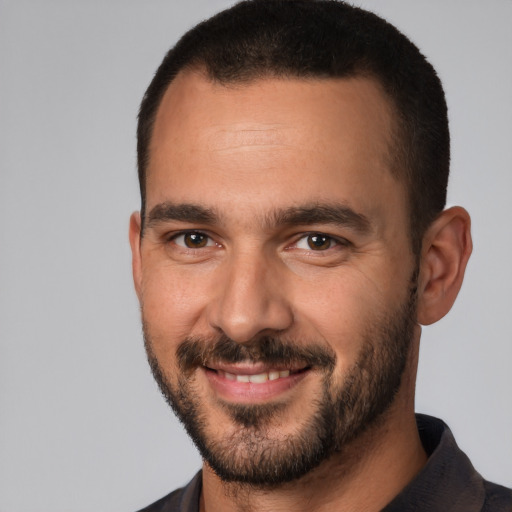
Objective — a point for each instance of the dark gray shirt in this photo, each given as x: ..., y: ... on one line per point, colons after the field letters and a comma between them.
x: 447, y: 483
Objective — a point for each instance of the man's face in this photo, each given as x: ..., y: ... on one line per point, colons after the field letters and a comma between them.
x: 275, y: 273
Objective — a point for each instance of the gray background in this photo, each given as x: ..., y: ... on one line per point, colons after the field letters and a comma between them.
x: 82, y: 425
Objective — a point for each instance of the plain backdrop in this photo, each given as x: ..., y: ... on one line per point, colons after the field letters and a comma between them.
x: 82, y: 425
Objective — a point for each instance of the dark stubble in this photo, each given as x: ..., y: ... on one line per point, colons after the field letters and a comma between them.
x: 345, y: 407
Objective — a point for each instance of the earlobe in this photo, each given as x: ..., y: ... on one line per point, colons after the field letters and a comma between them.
x: 446, y: 250
x: 134, y: 234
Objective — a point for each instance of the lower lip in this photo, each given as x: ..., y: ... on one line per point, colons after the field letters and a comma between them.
x: 250, y: 392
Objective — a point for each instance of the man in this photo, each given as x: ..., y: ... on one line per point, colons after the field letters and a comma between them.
x: 293, y: 163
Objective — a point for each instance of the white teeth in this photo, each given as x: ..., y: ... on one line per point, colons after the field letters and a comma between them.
x: 260, y: 378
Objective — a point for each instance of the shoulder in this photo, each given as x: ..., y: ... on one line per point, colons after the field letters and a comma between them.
x: 448, y: 481
x: 169, y: 503
x: 497, y: 498
x: 185, y: 499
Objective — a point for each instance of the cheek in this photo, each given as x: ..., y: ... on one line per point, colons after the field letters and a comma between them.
x: 337, y: 314
x: 172, y: 303
x: 343, y: 307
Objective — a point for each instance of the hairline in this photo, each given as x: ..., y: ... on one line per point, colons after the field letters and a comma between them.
x: 396, y: 142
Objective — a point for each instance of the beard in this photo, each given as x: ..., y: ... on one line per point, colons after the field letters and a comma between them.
x: 345, y: 407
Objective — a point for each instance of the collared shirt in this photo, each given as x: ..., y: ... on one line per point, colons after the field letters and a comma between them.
x: 447, y: 483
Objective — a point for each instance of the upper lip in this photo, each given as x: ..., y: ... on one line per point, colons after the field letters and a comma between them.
x: 246, y: 368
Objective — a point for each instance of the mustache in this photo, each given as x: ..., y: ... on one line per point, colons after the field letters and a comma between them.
x: 194, y: 352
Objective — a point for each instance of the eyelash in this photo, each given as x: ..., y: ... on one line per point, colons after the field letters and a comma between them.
x: 333, y: 242
x: 209, y: 240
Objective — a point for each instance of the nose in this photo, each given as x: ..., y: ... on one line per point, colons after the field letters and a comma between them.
x: 251, y: 300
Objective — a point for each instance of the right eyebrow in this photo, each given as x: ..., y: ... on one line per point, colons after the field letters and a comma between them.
x: 185, y: 212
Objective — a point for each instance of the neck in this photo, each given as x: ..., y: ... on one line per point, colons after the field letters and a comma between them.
x: 365, y: 477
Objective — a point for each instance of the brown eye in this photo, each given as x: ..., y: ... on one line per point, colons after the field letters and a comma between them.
x: 192, y: 240
x: 195, y: 240
x: 318, y: 242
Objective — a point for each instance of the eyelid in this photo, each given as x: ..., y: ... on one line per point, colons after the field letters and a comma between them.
x: 172, y: 237
x: 212, y: 242
x: 338, y: 241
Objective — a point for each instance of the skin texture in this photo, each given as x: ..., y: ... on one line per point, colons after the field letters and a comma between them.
x: 248, y: 153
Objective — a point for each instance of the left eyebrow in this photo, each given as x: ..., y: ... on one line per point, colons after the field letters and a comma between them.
x: 338, y: 215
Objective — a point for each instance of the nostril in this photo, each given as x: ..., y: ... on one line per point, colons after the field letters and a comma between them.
x: 249, y: 302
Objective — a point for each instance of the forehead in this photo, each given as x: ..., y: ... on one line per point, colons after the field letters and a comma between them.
x: 310, y: 137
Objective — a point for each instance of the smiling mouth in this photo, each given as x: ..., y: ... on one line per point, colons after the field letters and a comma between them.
x: 246, y: 383
x: 258, y: 378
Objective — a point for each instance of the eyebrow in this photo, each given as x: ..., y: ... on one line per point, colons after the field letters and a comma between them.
x: 185, y: 212
x: 335, y: 214
x: 310, y: 214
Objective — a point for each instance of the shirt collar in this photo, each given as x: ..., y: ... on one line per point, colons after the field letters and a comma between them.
x: 448, y: 481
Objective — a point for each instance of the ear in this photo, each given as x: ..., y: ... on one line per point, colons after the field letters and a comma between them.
x: 445, y: 253
x: 135, y: 241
